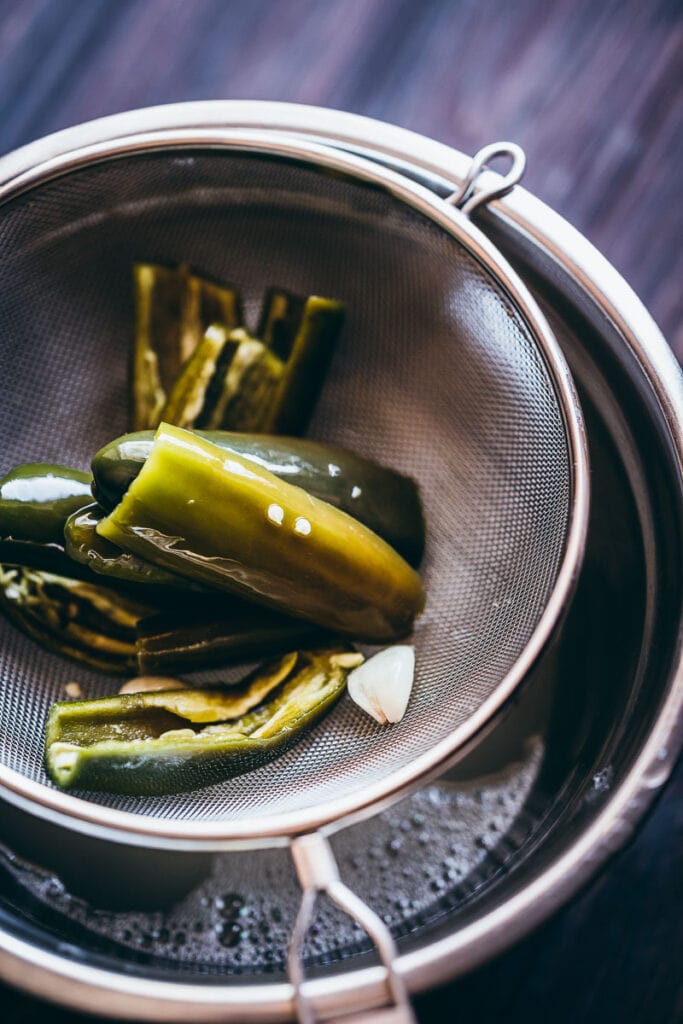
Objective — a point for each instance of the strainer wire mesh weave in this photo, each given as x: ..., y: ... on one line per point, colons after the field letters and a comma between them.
x: 437, y: 375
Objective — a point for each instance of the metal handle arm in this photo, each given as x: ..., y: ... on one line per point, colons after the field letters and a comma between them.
x: 317, y: 872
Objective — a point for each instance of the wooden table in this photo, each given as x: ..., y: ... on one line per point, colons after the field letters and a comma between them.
x: 592, y: 91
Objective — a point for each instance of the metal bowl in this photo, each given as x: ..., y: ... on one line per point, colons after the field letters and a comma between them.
x: 465, y: 867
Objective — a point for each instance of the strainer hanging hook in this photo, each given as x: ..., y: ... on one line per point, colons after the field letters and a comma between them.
x: 465, y: 198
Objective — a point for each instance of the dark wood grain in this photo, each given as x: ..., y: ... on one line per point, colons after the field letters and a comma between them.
x: 592, y: 90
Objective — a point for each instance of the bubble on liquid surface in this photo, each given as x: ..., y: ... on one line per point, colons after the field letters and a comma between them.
x: 407, y: 863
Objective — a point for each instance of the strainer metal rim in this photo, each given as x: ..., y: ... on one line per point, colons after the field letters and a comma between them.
x: 140, y: 829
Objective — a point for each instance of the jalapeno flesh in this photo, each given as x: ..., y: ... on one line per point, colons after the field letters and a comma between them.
x: 179, y: 740
x: 174, y: 307
x: 37, y: 497
x: 84, y: 545
x: 217, y: 518
x: 210, y: 632
x: 384, y: 500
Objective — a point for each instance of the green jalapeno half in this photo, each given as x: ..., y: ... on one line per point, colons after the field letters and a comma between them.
x: 384, y: 500
x: 180, y: 740
x: 37, y: 498
x: 207, y: 632
x: 217, y: 518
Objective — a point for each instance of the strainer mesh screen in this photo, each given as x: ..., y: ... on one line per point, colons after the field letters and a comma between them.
x: 436, y: 375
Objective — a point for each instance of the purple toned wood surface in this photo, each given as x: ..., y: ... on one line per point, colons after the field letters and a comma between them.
x: 592, y: 91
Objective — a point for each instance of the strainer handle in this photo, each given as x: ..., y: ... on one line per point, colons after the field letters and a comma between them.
x: 466, y: 199
x: 317, y: 871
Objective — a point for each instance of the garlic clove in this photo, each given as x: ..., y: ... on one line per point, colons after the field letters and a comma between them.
x: 149, y: 684
x: 382, y: 685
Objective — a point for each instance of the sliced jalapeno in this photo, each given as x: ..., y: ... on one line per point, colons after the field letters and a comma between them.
x: 84, y: 545
x: 88, y: 623
x: 246, y: 389
x: 213, y: 632
x: 36, y: 498
x: 225, y: 521
x: 187, y: 397
x: 306, y: 364
x: 384, y: 500
x: 173, y: 310
x: 179, y: 740
x: 280, y: 319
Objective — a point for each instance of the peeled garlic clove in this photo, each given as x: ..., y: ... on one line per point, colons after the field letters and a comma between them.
x: 148, y: 684
x: 382, y: 685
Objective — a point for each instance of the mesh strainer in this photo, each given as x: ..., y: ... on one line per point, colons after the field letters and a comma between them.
x: 447, y: 371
